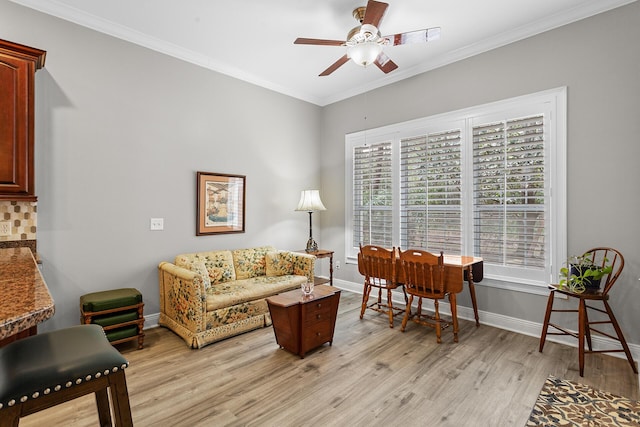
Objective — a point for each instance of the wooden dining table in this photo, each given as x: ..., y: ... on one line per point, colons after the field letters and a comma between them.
x: 459, y: 269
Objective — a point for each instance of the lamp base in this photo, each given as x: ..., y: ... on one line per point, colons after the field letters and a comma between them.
x: 312, y: 246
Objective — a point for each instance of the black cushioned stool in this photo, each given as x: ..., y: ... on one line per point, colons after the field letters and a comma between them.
x: 118, y: 311
x: 50, y: 368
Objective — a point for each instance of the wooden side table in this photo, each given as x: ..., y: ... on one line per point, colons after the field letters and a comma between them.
x: 303, y: 323
x: 322, y: 253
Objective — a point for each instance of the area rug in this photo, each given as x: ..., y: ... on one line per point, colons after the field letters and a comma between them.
x: 567, y: 403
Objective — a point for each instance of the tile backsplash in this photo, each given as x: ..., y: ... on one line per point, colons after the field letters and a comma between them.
x: 22, y: 217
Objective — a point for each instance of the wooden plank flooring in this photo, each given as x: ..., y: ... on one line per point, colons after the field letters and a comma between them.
x: 372, y: 375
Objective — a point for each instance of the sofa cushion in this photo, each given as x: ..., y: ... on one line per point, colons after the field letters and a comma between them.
x: 106, y: 300
x: 250, y: 262
x: 279, y: 263
x: 201, y: 269
x: 239, y: 291
x: 214, y: 261
x: 216, y: 275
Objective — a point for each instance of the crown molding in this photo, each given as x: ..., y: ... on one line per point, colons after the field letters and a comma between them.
x: 63, y: 11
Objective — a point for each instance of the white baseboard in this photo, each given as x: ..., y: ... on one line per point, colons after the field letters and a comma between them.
x: 151, y: 320
x: 513, y: 324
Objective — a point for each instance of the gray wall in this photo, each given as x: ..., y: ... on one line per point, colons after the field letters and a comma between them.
x: 598, y: 59
x: 121, y: 131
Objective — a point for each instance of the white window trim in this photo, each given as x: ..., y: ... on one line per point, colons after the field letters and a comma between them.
x: 556, y: 99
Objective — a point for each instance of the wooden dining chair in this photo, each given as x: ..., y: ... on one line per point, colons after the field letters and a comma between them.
x: 586, y: 299
x: 378, y: 266
x: 423, y: 276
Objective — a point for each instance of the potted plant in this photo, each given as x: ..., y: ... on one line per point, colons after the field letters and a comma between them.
x: 582, y: 274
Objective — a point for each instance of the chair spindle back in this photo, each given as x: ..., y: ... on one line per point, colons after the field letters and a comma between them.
x: 377, y: 265
x: 423, y: 273
x: 602, y: 257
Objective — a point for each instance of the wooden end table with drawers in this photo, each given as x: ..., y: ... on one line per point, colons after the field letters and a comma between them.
x: 302, y: 323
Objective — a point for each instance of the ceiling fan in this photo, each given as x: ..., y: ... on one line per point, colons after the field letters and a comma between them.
x: 364, y: 42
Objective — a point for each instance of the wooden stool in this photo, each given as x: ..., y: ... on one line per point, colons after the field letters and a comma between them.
x: 118, y: 311
x: 47, y: 369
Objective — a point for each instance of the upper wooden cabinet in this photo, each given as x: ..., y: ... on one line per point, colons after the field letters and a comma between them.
x: 18, y: 65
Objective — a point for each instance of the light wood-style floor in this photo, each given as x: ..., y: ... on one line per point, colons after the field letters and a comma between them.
x: 372, y: 375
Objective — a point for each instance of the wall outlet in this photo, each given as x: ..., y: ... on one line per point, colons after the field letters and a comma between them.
x: 337, y: 265
x: 5, y: 228
x: 156, y: 224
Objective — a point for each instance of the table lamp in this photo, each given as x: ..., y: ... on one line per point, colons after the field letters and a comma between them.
x: 310, y: 202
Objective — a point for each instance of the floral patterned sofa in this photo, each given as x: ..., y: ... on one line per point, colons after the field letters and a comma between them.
x: 208, y: 296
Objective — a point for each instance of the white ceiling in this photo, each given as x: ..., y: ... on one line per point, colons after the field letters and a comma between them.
x: 253, y: 39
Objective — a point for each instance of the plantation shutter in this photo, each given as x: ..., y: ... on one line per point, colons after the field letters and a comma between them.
x: 372, y: 195
x: 430, y: 192
x: 509, y: 199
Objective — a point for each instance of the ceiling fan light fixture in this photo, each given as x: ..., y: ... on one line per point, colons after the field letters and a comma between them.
x: 364, y: 43
x: 365, y: 53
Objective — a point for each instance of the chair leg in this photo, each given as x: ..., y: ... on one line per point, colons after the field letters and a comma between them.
x: 581, y: 333
x: 407, y: 314
x: 545, y: 325
x: 454, y: 315
x: 102, y: 402
x: 10, y: 416
x: 620, y: 336
x: 120, y: 399
x: 406, y: 300
x: 438, y: 325
x: 587, y: 328
x: 365, y: 299
x: 390, y: 304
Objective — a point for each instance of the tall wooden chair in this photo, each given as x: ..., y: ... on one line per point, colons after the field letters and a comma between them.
x: 423, y: 277
x: 378, y: 266
x: 586, y: 300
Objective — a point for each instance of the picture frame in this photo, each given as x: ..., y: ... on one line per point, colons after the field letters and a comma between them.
x: 220, y: 203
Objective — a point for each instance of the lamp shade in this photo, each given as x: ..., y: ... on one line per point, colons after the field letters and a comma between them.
x: 365, y: 53
x: 310, y: 201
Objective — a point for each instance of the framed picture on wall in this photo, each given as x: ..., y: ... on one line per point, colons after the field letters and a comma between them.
x: 220, y: 205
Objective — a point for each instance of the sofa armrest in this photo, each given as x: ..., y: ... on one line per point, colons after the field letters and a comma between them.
x: 182, y: 296
x: 304, y: 265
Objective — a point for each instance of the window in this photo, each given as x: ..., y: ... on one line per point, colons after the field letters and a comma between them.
x: 487, y: 181
x: 373, y: 191
x: 430, y: 192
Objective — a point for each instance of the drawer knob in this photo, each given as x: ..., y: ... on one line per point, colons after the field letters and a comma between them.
x: 318, y: 316
x: 319, y: 305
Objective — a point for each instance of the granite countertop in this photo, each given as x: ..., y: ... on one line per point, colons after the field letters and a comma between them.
x: 25, y: 300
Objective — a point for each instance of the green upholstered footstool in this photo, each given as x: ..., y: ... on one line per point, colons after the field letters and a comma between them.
x: 54, y: 367
x: 118, y: 311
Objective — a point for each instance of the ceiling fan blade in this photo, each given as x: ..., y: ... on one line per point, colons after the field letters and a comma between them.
x: 320, y: 42
x: 335, y: 66
x: 385, y: 64
x: 418, y: 36
x: 374, y: 13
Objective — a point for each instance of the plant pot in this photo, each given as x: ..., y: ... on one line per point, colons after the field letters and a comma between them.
x: 590, y: 283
